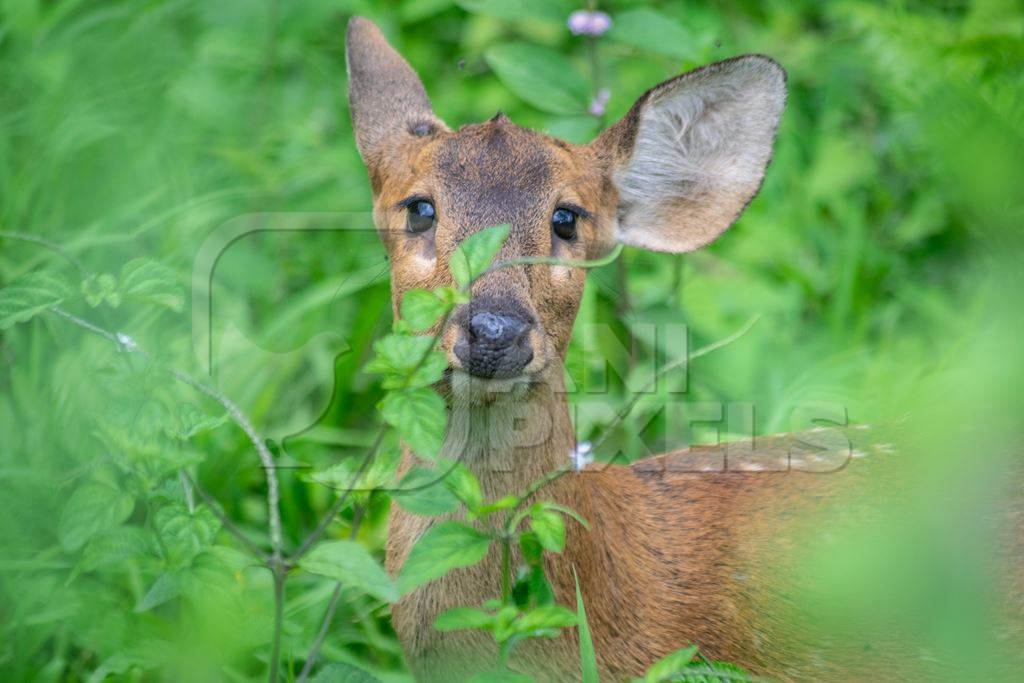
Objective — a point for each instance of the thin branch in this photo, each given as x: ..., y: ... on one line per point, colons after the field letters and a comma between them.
x: 187, y: 489
x: 321, y: 636
x: 127, y: 343
x: 275, y: 649
x: 226, y: 521
x: 555, y: 261
x: 52, y: 246
x: 339, y: 504
x: 325, y: 625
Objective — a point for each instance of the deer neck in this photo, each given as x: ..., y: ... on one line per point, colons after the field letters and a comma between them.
x: 510, y: 439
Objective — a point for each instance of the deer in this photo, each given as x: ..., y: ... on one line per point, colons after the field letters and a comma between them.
x: 673, y: 555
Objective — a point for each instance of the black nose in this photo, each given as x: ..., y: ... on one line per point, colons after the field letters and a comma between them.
x: 494, y: 343
x: 496, y: 330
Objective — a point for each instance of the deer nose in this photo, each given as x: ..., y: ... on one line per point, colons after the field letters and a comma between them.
x: 497, y: 330
x: 494, y: 345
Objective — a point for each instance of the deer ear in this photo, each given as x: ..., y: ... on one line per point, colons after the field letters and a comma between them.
x: 386, y: 98
x: 691, y: 153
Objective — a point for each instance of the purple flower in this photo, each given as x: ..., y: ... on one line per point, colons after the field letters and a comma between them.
x: 585, y: 23
x: 600, y: 101
x: 600, y: 22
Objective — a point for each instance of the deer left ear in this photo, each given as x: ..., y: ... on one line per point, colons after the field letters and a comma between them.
x: 691, y: 153
x: 389, y: 105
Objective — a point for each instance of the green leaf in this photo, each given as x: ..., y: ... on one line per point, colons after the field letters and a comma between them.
x: 101, y: 288
x: 29, y: 296
x: 185, y: 534
x: 463, y: 484
x: 166, y: 587
x: 574, y: 129
x: 505, y: 503
x: 531, y: 548
x: 419, y: 416
x: 460, y: 618
x: 191, y: 421
x: 342, y: 476
x: 92, y: 509
x: 351, y: 564
x: 671, y: 665
x: 422, y: 309
x: 422, y: 491
x: 569, y: 512
x: 475, y: 254
x: 340, y: 672
x: 545, y: 617
x: 407, y: 361
x: 652, y: 31
x: 147, y: 281
x: 549, y: 527
x: 531, y: 587
x: 540, y: 76
x: 554, y: 11
x: 445, y: 546
x: 588, y: 657
x: 114, y: 546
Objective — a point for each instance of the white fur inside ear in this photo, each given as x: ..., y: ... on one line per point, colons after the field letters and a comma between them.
x: 701, y: 147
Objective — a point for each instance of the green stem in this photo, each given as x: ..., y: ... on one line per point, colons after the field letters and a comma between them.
x: 555, y: 261
x: 506, y: 569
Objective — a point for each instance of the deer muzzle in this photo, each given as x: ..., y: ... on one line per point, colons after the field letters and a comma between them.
x: 493, y: 339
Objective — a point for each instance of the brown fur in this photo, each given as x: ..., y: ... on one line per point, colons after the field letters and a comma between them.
x: 672, y: 557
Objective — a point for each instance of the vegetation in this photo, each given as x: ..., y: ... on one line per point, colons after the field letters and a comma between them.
x: 198, y: 358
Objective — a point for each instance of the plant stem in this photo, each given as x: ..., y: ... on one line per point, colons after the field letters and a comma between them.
x: 128, y: 344
x: 325, y: 625
x: 52, y: 246
x: 228, y: 523
x: 506, y: 568
x: 339, y: 504
x: 274, y: 562
x: 277, y: 567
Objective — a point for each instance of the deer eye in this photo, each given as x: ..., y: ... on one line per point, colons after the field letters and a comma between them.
x: 563, y: 222
x: 420, y: 217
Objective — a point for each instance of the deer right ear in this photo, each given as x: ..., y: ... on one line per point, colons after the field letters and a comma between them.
x: 692, y: 152
x: 388, y: 103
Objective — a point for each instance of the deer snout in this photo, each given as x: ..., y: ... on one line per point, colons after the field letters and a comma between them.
x: 494, y: 344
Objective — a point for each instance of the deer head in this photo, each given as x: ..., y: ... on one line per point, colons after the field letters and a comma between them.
x: 671, y: 176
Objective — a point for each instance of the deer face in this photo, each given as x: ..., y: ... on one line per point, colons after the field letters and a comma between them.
x: 672, y: 175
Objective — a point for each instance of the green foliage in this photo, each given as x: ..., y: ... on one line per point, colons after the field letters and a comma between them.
x: 350, y: 563
x: 518, y: 10
x: 419, y: 416
x: 475, y: 253
x: 29, y: 296
x: 445, y: 546
x: 418, y: 492
x: 883, y: 253
x: 92, y: 509
x: 540, y: 76
x: 651, y: 30
x: 588, y: 656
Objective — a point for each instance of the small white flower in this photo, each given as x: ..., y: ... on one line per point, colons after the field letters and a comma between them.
x: 126, y: 342
x: 581, y: 456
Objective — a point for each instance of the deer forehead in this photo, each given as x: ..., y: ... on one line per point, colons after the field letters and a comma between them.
x: 497, y: 172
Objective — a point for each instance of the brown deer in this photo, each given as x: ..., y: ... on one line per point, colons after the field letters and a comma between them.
x: 672, y: 557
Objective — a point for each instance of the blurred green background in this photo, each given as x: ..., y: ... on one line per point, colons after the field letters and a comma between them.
x: 883, y: 254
